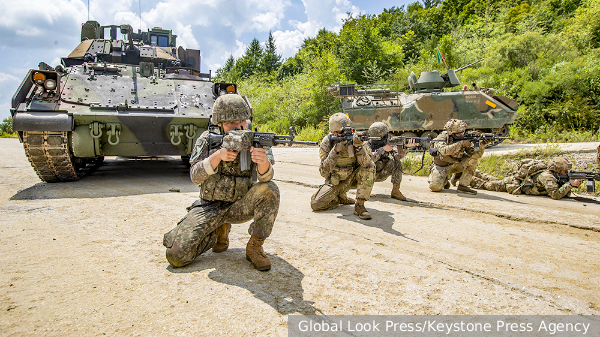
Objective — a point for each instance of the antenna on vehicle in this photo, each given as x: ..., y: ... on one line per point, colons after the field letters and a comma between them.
x: 88, y: 10
x: 140, y: 2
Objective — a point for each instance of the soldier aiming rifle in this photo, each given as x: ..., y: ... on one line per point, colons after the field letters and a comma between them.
x: 388, y: 151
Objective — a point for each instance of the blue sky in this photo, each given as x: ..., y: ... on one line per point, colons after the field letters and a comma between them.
x: 32, y: 31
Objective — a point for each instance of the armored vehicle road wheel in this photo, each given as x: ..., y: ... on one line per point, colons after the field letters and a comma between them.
x: 50, y: 155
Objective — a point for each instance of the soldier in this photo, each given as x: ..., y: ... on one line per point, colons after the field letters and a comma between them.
x: 344, y: 167
x: 532, y: 177
x: 227, y: 194
x: 387, y: 159
x: 460, y: 157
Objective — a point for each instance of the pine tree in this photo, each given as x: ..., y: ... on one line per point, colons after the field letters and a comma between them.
x: 249, y: 64
x: 270, y: 60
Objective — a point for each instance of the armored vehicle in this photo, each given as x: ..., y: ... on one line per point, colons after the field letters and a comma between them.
x: 118, y: 93
x: 425, y: 110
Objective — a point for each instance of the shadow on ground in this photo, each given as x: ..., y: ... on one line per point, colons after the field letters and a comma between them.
x: 280, y: 287
x: 118, y: 177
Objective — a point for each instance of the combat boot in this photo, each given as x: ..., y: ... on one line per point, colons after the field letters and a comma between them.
x: 465, y: 189
x: 256, y: 255
x: 345, y: 200
x: 222, y: 238
x: 360, y: 210
x: 396, y: 194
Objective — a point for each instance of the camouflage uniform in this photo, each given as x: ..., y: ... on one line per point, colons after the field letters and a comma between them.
x: 227, y: 195
x: 343, y: 173
x: 452, y: 158
x: 389, y: 164
x: 539, y: 182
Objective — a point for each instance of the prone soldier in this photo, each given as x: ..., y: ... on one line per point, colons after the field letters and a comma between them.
x: 344, y: 165
x: 532, y: 177
x: 450, y: 157
x: 387, y: 158
x: 227, y: 192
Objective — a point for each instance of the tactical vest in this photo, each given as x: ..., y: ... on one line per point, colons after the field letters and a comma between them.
x: 229, y: 183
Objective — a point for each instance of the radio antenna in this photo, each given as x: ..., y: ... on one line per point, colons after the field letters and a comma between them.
x: 140, y: 2
x: 88, y: 10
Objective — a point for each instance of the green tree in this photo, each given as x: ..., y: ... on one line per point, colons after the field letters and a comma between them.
x: 6, y: 127
x: 249, y: 63
x: 270, y: 60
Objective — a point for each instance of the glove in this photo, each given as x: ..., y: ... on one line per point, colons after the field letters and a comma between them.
x: 338, y: 146
x: 465, y: 143
x: 356, y: 141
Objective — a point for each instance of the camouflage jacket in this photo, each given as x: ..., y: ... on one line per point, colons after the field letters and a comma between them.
x: 447, y: 152
x: 227, y: 182
x: 337, y: 166
x: 547, y: 183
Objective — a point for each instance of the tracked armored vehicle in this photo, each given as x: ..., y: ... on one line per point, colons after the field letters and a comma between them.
x: 425, y: 110
x: 119, y: 93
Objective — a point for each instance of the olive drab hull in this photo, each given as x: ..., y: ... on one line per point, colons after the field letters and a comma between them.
x: 429, y: 112
x: 113, y: 98
x: 425, y: 110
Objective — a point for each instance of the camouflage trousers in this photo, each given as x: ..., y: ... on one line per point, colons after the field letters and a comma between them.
x: 327, y: 196
x: 386, y: 167
x: 439, y: 174
x: 509, y: 184
x: 194, y: 234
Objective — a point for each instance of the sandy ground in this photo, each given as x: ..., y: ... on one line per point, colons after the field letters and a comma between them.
x: 86, y: 258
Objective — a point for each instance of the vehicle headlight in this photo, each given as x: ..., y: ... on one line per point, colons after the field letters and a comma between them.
x: 50, y: 84
x: 39, y: 78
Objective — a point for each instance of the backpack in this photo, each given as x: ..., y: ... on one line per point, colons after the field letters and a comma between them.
x: 528, y: 167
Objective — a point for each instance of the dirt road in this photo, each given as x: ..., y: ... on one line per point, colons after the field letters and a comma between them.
x: 86, y: 258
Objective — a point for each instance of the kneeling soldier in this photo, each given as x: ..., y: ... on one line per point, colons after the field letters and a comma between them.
x: 227, y: 193
x: 387, y: 158
x: 344, y: 166
x: 454, y: 157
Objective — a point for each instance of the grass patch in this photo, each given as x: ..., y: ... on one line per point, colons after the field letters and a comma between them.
x: 9, y: 135
x: 550, y: 135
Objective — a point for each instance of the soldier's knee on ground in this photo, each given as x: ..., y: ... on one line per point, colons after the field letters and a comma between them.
x: 436, y: 187
x: 176, y: 257
x: 325, y: 198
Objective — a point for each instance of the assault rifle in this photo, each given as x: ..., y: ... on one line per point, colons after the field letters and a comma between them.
x: 259, y: 139
x: 346, y: 137
x: 476, y: 137
x: 590, y: 177
x: 377, y: 142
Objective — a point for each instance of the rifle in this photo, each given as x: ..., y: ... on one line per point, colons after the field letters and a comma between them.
x: 582, y: 175
x: 347, y: 135
x: 377, y: 142
x: 259, y: 139
x: 475, y: 137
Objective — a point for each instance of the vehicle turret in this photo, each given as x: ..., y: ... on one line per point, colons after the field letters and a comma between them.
x: 118, y: 93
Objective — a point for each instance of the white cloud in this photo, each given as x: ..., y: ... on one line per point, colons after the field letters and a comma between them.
x: 328, y: 14
x: 8, y: 78
x: 288, y: 42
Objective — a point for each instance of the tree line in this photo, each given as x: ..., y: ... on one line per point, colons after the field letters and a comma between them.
x: 543, y: 53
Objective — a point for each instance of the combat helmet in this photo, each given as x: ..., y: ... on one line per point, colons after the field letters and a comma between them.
x: 378, y: 129
x: 229, y: 108
x: 338, y: 121
x: 455, y: 126
x: 559, y: 164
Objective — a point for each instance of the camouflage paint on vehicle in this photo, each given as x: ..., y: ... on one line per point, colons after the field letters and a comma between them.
x: 425, y: 111
x: 141, y: 96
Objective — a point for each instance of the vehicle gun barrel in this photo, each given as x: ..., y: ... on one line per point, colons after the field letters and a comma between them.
x: 468, y: 65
